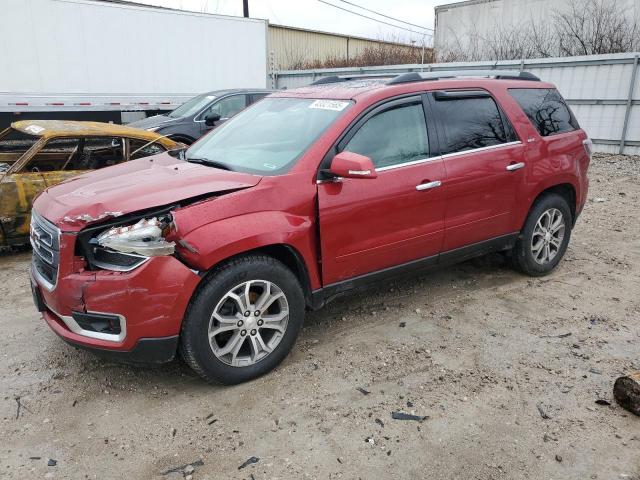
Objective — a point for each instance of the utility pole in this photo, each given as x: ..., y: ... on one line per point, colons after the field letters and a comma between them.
x: 245, y: 8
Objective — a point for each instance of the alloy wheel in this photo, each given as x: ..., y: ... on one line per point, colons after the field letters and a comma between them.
x: 248, y: 323
x: 547, y: 236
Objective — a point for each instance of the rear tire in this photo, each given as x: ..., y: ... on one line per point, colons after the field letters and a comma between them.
x: 243, y: 321
x: 544, y: 239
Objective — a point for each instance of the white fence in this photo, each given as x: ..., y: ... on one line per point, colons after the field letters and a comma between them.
x: 603, y: 90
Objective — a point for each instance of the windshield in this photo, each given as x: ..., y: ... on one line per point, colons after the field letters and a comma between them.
x: 192, y: 106
x: 268, y: 137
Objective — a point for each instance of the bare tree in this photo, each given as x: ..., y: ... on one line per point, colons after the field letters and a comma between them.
x: 595, y: 27
x: 586, y: 27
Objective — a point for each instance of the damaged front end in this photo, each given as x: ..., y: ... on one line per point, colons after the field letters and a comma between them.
x: 116, y: 286
x: 127, y: 242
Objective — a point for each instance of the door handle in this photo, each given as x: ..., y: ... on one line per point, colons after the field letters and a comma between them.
x: 428, y: 185
x: 515, y: 166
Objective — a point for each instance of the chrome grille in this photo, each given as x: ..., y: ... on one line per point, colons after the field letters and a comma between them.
x: 45, y: 241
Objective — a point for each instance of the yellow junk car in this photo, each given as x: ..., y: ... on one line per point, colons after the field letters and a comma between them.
x: 35, y: 154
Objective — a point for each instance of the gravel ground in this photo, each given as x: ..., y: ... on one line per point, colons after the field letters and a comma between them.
x: 507, y: 370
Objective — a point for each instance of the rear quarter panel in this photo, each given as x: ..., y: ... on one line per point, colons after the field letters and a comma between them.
x: 552, y: 160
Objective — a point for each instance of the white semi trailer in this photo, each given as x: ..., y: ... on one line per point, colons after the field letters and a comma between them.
x: 112, y: 60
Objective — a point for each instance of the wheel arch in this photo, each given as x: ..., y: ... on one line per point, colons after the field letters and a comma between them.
x: 285, y: 253
x: 566, y: 190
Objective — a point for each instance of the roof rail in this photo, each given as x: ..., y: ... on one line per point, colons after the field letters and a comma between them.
x: 444, y: 74
x: 346, y: 78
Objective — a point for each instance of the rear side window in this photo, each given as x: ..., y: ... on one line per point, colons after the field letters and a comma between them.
x: 393, y: 137
x: 470, y: 123
x: 546, y: 109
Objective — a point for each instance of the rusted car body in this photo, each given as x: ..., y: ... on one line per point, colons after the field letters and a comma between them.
x: 36, y: 154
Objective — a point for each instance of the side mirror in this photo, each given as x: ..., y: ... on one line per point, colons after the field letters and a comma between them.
x: 352, y: 165
x: 211, y: 118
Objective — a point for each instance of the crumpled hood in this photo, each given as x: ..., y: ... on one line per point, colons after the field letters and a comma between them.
x: 132, y: 186
x: 155, y: 121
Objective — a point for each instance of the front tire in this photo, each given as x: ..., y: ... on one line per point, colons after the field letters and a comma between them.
x: 243, y: 321
x: 545, y: 237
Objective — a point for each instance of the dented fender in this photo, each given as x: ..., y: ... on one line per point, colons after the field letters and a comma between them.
x: 207, y: 245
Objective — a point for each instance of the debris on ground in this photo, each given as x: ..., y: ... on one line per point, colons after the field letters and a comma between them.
x: 52, y: 462
x: 542, y: 411
x: 408, y: 416
x: 603, y: 402
x: 20, y: 406
x: 363, y: 391
x: 562, y: 335
x: 181, y: 468
x: 249, y: 462
x: 626, y: 391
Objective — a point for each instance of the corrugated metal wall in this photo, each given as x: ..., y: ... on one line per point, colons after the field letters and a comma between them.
x: 289, y: 48
x: 598, y: 88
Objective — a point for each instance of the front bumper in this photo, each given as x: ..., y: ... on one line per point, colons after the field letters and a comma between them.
x: 149, y: 304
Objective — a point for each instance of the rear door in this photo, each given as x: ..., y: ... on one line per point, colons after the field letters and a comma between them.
x: 367, y: 225
x: 484, y: 163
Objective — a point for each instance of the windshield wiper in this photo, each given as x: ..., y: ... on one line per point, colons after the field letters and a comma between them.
x: 209, y: 163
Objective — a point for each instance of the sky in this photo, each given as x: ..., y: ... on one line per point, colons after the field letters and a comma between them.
x: 314, y: 14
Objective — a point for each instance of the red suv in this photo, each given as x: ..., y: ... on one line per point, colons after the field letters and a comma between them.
x: 217, y: 251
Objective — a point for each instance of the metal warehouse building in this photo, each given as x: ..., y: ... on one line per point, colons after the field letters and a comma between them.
x: 457, y: 22
x: 292, y: 47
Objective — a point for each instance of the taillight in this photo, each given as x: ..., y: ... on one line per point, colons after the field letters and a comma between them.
x: 588, y: 147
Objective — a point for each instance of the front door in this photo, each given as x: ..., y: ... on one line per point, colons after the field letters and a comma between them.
x: 367, y: 225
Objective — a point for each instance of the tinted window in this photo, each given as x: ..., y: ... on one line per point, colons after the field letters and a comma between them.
x: 546, y: 109
x: 392, y: 137
x: 469, y: 123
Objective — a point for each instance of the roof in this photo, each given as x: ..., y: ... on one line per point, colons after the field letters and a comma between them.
x: 358, y: 89
x: 220, y: 93
x: 69, y: 128
x: 464, y: 3
x: 338, y: 91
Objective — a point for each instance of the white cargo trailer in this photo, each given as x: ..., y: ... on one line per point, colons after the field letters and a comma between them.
x: 115, y: 61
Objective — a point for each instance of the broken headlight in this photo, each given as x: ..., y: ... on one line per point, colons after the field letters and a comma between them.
x: 125, y: 247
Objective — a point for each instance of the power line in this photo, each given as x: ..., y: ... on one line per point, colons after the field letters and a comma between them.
x: 385, y: 16
x: 374, y: 19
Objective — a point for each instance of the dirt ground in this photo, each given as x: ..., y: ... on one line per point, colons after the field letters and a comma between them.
x: 483, y: 351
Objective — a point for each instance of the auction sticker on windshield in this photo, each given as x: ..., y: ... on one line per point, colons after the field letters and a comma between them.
x: 336, y: 105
